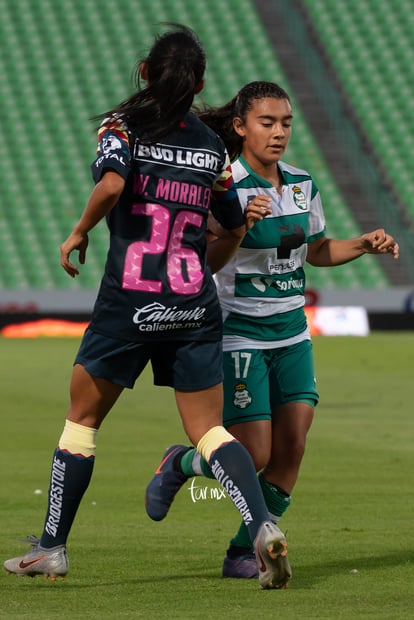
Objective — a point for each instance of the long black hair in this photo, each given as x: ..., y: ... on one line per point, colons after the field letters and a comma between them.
x: 175, y: 67
x: 220, y: 119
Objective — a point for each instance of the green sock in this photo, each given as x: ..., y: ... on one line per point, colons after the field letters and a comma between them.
x: 277, y: 501
x: 242, y: 538
x: 193, y: 464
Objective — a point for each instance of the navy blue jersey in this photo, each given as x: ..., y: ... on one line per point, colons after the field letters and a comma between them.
x: 157, y: 285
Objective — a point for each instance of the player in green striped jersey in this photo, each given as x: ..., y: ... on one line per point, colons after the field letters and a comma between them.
x: 270, y: 390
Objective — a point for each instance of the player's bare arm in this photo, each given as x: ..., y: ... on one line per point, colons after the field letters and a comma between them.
x: 222, y: 243
x: 103, y: 198
x: 325, y: 252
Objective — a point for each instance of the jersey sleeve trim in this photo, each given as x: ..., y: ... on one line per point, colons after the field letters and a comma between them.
x: 318, y: 235
x: 225, y: 204
x: 113, y: 150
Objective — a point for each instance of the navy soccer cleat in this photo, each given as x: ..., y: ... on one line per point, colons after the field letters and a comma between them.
x: 243, y: 566
x: 165, y: 484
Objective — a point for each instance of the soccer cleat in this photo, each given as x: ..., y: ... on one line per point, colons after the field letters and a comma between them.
x: 241, y: 567
x: 271, y: 553
x: 164, y: 485
x: 52, y: 563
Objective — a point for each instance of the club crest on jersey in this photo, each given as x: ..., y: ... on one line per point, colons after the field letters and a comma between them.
x: 241, y: 396
x: 299, y: 197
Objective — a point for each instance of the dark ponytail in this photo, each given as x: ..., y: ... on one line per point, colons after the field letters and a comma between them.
x: 221, y: 121
x: 175, y: 69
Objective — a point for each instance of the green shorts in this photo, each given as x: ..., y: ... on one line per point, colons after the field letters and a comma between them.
x: 258, y: 380
x: 183, y: 365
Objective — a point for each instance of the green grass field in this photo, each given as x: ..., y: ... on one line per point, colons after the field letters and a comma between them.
x: 349, y: 528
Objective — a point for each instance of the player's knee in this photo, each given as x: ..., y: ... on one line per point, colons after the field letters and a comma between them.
x: 213, y: 439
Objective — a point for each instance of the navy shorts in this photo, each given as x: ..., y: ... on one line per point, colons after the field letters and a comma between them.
x: 183, y: 365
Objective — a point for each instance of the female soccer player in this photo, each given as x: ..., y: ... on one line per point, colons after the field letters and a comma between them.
x: 157, y: 170
x: 269, y: 379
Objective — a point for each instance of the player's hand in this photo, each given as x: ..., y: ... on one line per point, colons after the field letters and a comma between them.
x: 75, y: 241
x: 257, y: 209
x: 379, y: 242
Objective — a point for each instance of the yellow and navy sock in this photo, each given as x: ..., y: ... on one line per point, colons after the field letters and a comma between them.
x: 233, y: 467
x: 71, y: 472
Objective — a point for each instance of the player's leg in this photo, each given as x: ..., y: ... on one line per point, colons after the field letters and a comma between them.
x: 234, y: 469
x: 169, y: 475
x: 293, y: 400
x: 181, y: 462
x: 71, y: 471
x: 195, y: 371
x: 291, y: 376
x: 200, y: 401
x: 91, y: 398
x: 277, y: 479
x: 247, y: 416
x: 185, y: 460
x: 291, y: 424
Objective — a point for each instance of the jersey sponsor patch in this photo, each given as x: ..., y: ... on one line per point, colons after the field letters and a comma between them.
x: 156, y: 317
x: 203, y: 160
x: 279, y: 285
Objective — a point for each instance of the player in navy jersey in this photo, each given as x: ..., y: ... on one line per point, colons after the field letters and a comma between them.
x: 158, y: 172
x: 269, y: 380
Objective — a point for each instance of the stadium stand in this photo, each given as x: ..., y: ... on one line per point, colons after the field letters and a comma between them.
x: 368, y: 47
x: 63, y: 63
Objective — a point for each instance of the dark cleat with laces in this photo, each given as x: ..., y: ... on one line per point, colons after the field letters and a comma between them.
x: 165, y: 484
x: 243, y: 566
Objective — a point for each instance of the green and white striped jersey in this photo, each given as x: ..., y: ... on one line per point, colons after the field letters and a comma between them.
x: 261, y: 289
